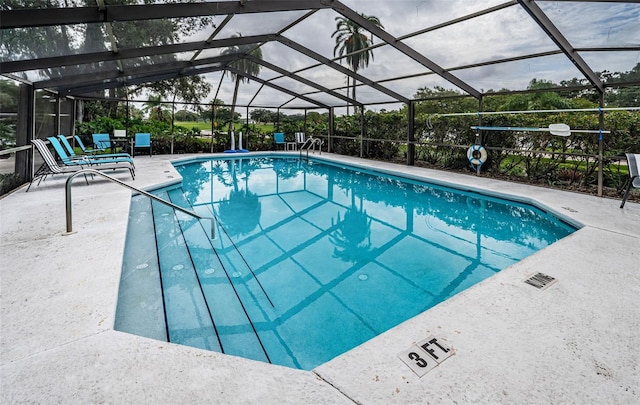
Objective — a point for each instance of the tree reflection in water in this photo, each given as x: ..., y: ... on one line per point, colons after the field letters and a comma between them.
x: 240, y: 211
x: 352, y: 237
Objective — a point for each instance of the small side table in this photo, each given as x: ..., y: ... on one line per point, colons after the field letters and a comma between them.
x: 291, y: 146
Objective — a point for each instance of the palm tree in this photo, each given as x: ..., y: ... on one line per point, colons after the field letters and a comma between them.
x: 352, y: 238
x: 243, y: 65
x: 240, y: 211
x: 353, y: 42
x: 155, y: 107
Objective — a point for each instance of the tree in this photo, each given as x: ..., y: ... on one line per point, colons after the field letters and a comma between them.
x: 187, y: 89
x: 242, y: 66
x: 352, y: 43
x: 155, y: 109
x: 262, y: 115
x: 186, y: 115
x: 81, y: 38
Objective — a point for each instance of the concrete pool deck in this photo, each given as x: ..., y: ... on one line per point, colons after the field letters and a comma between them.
x: 577, y: 341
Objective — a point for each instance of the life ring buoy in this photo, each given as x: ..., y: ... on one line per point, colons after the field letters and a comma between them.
x: 477, y: 155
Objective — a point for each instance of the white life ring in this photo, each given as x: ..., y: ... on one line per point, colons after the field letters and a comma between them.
x: 477, y: 155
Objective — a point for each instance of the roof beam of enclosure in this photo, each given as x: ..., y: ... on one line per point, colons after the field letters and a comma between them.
x: 130, y: 53
x: 181, y: 67
x: 438, y: 26
x: 308, y: 82
x: 23, y: 18
x: 556, y: 36
x: 313, y: 55
x: 275, y: 86
x: 213, y: 35
x: 129, y: 81
x: 404, y: 48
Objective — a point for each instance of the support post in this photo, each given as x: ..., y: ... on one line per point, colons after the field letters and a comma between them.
x: 601, y: 146
x: 361, y: 131
x: 25, y: 132
x: 411, y: 137
x: 331, y: 129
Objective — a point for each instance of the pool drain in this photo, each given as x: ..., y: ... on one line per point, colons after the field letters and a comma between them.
x: 540, y: 281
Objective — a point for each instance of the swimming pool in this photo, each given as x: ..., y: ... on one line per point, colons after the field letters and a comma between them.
x: 310, y: 258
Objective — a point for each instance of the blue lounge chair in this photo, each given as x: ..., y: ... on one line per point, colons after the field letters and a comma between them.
x: 633, y: 163
x: 278, y: 139
x: 86, y: 161
x: 72, y: 153
x: 142, y: 140
x: 85, y: 150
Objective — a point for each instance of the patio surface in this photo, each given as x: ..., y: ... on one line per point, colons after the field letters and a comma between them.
x: 574, y: 342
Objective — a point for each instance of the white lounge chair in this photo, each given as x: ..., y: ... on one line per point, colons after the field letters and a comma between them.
x: 49, y: 167
x: 633, y: 162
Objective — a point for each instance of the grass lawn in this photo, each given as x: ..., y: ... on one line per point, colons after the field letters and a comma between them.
x: 206, y: 126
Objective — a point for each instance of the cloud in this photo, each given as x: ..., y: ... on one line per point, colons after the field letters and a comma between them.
x: 507, y: 33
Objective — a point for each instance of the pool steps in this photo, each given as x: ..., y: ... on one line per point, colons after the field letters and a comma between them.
x: 186, y: 255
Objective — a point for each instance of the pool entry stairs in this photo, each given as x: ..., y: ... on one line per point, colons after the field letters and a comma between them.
x: 205, y: 282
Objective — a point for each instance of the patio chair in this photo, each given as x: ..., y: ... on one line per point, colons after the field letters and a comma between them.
x: 301, y: 138
x: 278, y: 139
x: 85, y: 150
x: 101, y: 142
x: 142, y: 140
x: 49, y: 167
x: 633, y: 162
x: 73, y: 155
x: 85, y: 161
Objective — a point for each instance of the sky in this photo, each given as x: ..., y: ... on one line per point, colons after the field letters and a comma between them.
x: 506, y: 33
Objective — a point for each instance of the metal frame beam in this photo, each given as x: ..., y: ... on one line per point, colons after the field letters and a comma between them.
x: 404, y: 48
x: 23, y: 18
x: 275, y: 86
x: 556, y: 36
x: 130, y: 53
x: 313, y: 55
x: 125, y: 81
x: 178, y: 67
x: 308, y: 82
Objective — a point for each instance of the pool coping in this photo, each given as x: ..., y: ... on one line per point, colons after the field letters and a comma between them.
x: 58, y: 344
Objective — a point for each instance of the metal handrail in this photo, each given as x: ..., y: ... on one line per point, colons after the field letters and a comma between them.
x: 311, y: 142
x: 113, y: 179
x: 14, y: 150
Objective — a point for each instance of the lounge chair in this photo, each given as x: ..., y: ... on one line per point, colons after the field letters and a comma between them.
x: 633, y: 162
x: 85, y: 161
x: 73, y: 155
x: 49, y: 167
x: 142, y: 140
x: 85, y: 150
x: 278, y: 139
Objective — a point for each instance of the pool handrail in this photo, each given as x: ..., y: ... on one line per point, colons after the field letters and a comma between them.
x: 311, y: 143
x: 137, y: 190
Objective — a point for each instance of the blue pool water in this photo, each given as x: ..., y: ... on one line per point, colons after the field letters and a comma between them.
x: 309, y: 259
